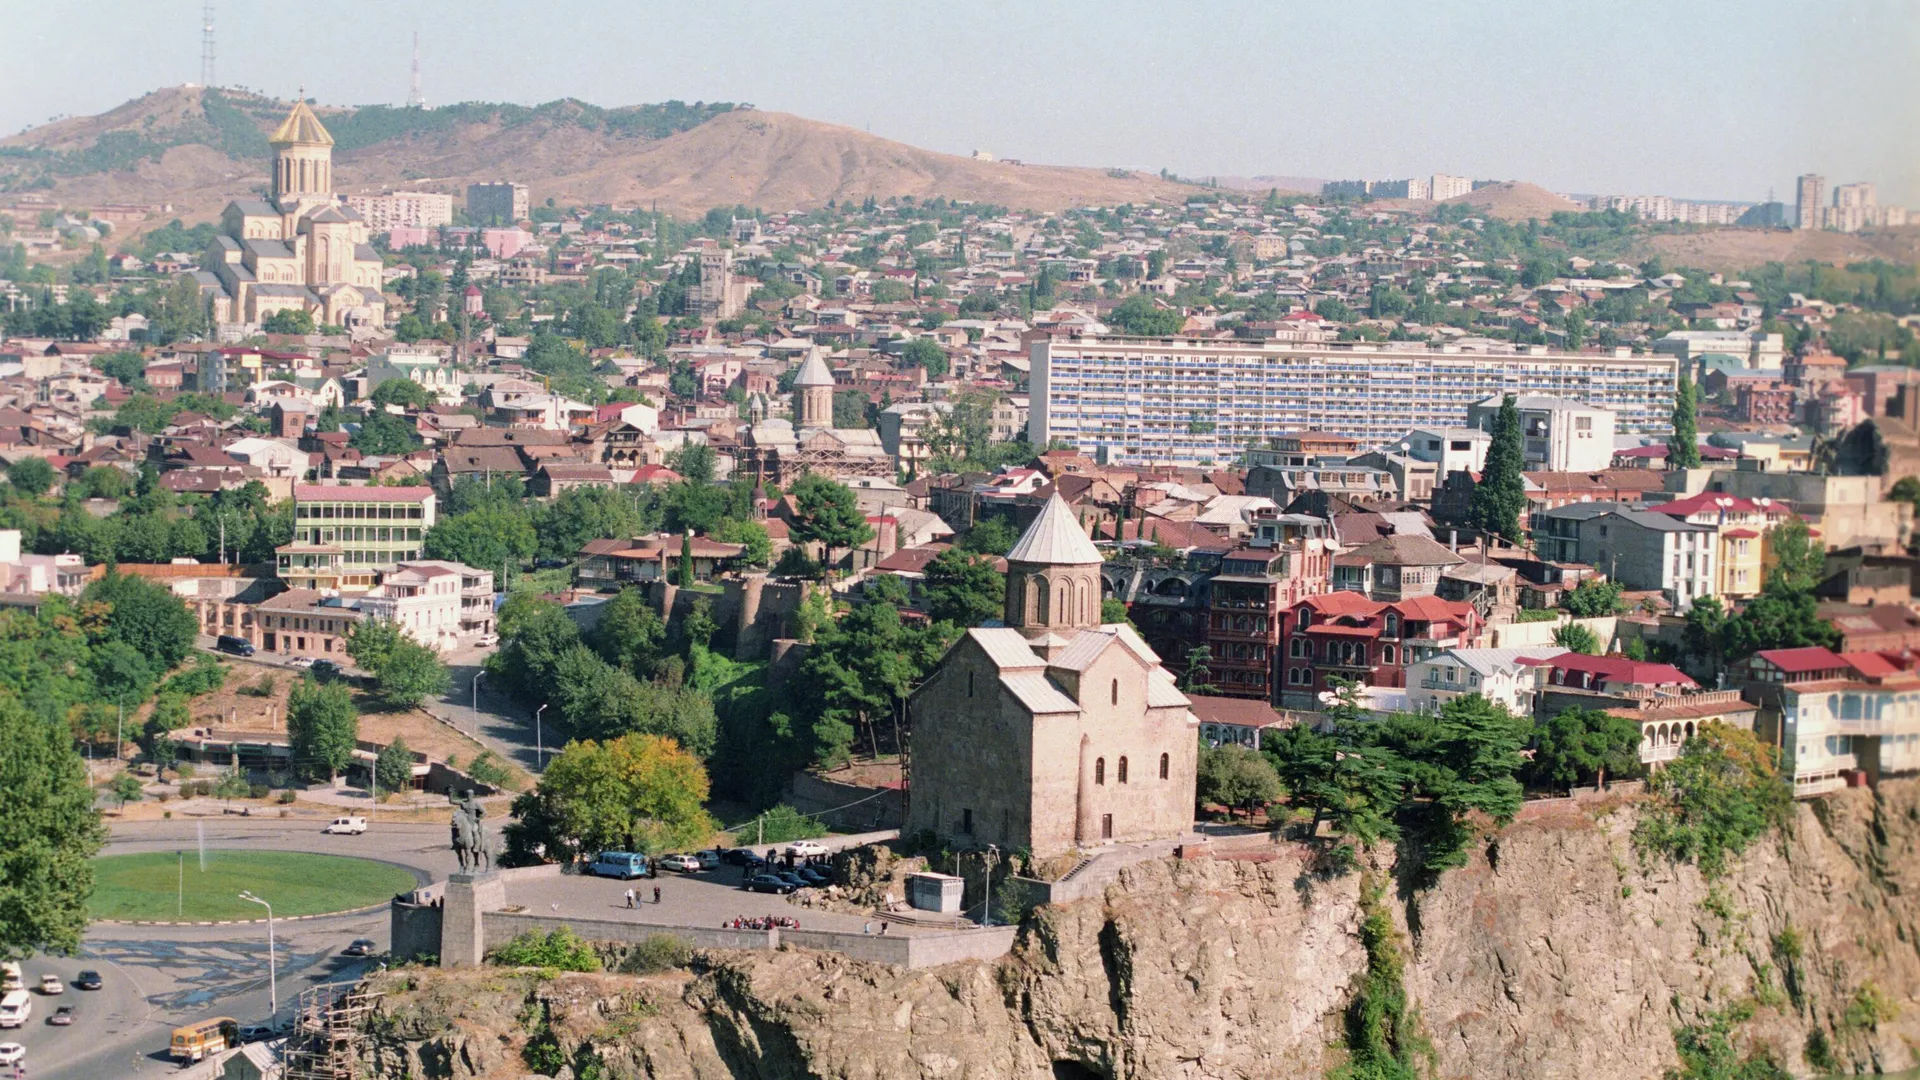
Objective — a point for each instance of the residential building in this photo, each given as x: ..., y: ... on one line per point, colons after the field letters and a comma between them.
x: 1837, y: 718
x: 393, y: 209
x: 1640, y: 549
x: 1232, y: 721
x: 1193, y: 402
x: 1249, y: 602
x: 499, y: 203
x: 1741, y: 527
x: 303, y: 622
x: 1503, y: 676
x: 1668, y: 705
x: 1458, y: 449
x: 1809, y: 194
x: 1443, y: 186
x: 434, y: 372
x: 38, y: 575
x: 1398, y: 566
x: 613, y: 563
x: 1053, y: 733
x: 1556, y: 435
x: 433, y: 601
x: 1345, y: 635
x: 373, y: 529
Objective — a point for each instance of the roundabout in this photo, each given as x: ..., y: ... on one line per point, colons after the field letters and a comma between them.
x: 182, y: 887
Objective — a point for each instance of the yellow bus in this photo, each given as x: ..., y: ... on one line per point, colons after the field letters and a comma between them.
x: 195, y: 1041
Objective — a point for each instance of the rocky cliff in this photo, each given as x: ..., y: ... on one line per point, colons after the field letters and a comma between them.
x: 1554, y: 953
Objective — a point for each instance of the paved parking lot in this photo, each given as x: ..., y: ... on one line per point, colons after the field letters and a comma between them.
x: 705, y: 899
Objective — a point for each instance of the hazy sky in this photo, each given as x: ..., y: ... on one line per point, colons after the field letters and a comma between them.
x: 1698, y: 100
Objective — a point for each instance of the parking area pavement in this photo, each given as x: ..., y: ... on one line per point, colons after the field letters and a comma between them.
x: 705, y: 899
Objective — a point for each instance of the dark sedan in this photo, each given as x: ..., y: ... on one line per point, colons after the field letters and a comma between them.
x: 87, y: 980
x: 768, y: 883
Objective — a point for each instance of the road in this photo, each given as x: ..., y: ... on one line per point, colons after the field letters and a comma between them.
x: 159, y: 977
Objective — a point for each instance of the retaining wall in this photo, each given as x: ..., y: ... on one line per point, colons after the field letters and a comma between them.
x: 902, y: 950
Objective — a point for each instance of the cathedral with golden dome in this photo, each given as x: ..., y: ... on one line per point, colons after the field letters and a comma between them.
x: 300, y: 249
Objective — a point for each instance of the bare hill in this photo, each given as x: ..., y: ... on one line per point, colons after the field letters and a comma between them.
x: 1508, y: 200
x: 1744, y: 249
x: 195, y: 149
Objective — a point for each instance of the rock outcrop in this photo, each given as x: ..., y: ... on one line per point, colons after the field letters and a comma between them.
x: 1553, y: 954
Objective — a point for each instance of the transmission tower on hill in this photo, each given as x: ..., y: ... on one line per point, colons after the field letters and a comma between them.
x: 416, y: 99
x: 206, y: 44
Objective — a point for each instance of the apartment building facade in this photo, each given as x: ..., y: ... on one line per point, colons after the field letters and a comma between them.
x: 369, y: 529
x: 402, y: 209
x: 1125, y: 400
x: 1250, y: 602
x: 1838, y: 718
x: 498, y: 204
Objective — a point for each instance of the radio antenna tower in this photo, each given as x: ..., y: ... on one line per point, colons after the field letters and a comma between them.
x: 206, y: 44
x: 415, y: 98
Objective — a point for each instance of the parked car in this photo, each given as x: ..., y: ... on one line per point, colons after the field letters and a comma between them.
x: 63, y: 1016
x: 686, y: 864
x: 814, y: 877
x: 791, y: 878
x: 255, y: 1032
x: 487, y: 641
x: 301, y: 662
x: 362, y: 947
x: 738, y: 856
x: 325, y: 668
x: 51, y: 984
x: 709, y: 860
x: 12, y: 1054
x: 238, y: 646
x: 768, y: 883
x: 619, y: 864
x: 348, y: 826
x: 806, y: 847
x: 87, y: 980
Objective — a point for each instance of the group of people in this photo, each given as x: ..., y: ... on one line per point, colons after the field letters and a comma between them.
x: 631, y: 896
x: 761, y: 922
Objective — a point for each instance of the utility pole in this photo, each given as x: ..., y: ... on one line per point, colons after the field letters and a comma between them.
x: 416, y: 99
x: 206, y: 44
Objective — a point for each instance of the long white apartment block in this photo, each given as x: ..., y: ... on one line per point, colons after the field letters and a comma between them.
x: 1143, y: 401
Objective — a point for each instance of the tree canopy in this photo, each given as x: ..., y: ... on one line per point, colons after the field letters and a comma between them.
x: 633, y: 793
x: 49, y: 833
x: 1499, y: 500
x: 322, y: 725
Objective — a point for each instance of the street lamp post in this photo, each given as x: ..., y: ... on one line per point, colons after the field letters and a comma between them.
x: 476, y: 703
x: 273, y: 981
x: 539, y: 743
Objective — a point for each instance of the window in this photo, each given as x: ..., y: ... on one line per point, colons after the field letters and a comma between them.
x: 1100, y: 770
x: 1386, y: 654
x: 1115, y: 693
x: 969, y: 684
x: 1165, y: 766
x: 966, y: 822
x: 1122, y: 775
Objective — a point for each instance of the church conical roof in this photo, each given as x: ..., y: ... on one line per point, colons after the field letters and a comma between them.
x: 301, y: 127
x: 814, y: 372
x: 1055, y: 538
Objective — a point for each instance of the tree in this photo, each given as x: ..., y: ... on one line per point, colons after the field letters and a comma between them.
x: 1786, y: 614
x: 925, y: 353
x: 1799, y: 561
x: 1703, y: 638
x: 402, y: 392
x: 31, y: 475
x: 491, y: 537
x: 1139, y: 315
x: 990, y: 536
x: 1577, y: 638
x: 146, y: 616
x: 1683, y: 446
x: 1237, y: 777
x: 393, y: 767
x: 412, y: 673
x: 694, y: 461
x: 169, y: 713
x: 750, y: 535
x: 1593, y: 598
x: 288, y: 321
x: 1584, y: 743
x: 1199, y: 674
x: 322, y: 726
x: 127, y: 788
x: 1500, y: 498
x: 104, y: 482
x: 49, y: 833
x: 964, y: 589
x: 630, y: 634
x: 683, y: 569
x: 1721, y: 793
x: 1113, y: 610
x: 371, y: 641
x: 385, y: 434
x: 826, y: 512
x: 634, y: 793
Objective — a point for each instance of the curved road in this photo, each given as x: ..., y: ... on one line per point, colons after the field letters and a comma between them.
x: 159, y: 977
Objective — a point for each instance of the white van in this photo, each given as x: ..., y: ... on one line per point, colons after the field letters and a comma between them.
x: 10, y: 977
x: 15, y: 1007
x: 348, y: 825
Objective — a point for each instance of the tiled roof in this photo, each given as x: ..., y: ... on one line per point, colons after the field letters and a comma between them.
x: 344, y: 493
x: 1037, y: 693
x: 1006, y: 647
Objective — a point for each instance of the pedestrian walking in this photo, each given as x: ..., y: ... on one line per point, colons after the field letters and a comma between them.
x: 629, y: 897
x: 656, y: 894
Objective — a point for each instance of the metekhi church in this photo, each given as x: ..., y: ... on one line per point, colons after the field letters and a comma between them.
x: 302, y: 249
x: 778, y: 451
x: 1053, y: 732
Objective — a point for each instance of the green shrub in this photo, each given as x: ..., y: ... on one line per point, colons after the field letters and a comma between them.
x: 1526, y: 615
x: 657, y: 952
x: 1868, y: 1009
x: 781, y: 825
x: 1724, y: 791
x: 1819, y: 1052
x: 287, y: 796
x: 206, y: 675
x: 184, y: 770
x: 487, y: 768
x: 561, y: 949
x: 263, y: 688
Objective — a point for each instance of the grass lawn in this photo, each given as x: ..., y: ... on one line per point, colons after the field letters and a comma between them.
x: 131, y: 887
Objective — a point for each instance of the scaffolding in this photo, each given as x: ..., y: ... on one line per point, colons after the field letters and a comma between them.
x: 328, y: 1029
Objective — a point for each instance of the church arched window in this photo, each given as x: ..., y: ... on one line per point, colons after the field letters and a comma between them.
x: 1166, y: 764
x: 1116, y: 692
x: 1123, y: 769
x: 1100, y: 770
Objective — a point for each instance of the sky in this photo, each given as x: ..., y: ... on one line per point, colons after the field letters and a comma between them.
x: 1709, y: 99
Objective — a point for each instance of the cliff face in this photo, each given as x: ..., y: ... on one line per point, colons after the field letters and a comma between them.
x: 1552, y: 954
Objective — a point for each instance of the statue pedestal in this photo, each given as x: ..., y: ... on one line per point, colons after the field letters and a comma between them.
x: 463, y: 938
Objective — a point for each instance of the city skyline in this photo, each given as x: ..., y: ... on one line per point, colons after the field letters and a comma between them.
x: 1571, y: 100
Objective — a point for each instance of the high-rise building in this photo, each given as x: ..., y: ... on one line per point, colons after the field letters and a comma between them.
x: 1195, y: 403
x: 419, y: 209
x: 1446, y: 187
x: 498, y: 204
x: 1809, y: 192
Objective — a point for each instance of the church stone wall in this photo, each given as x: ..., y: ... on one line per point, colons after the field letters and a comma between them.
x: 971, y: 753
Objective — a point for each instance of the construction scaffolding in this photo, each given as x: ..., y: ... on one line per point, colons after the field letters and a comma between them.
x: 328, y: 1028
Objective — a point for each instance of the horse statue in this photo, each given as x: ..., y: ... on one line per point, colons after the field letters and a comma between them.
x: 470, y: 841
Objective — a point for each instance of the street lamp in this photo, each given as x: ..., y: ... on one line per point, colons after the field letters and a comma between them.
x: 539, y: 744
x: 476, y: 702
x: 273, y: 981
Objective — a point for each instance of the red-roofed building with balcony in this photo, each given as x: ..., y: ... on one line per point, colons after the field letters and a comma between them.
x: 1344, y: 635
x: 1839, y: 719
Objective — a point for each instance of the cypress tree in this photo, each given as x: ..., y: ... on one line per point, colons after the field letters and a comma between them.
x: 1683, y: 449
x: 1500, y: 499
x: 683, y: 573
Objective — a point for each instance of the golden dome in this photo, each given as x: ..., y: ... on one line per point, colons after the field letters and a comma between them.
x: 301, y: 128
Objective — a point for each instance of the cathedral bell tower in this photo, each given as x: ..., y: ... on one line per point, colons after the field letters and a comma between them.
x: 302, y: 159
x: 1053, y: 576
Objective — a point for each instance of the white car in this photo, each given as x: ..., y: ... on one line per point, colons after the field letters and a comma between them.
x: 806, y: 847
x: 301, y: 662
x: 348, y: 826
x: 686, y: 864
x: 12, y: 1054
x: 51, y: 984
x: 487, y: 641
